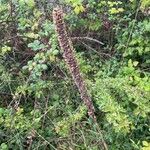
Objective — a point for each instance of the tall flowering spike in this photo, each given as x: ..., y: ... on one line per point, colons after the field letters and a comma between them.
x: 69, y: 57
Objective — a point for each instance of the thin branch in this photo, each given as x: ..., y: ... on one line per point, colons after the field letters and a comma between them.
x: 5, y: 94
x: 13, y: 37
x: 99, y: 53
x: 87, y: 38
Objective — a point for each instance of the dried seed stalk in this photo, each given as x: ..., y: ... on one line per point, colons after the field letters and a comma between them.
x: 69, y: 57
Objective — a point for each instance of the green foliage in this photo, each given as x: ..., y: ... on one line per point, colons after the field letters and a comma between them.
x: 77, y: 5
x: 40, y: 108
x: 135, y: 43
x: 146, y: 145
x: 63, y: 126
x: 5, y: 50
x: 145, y: 3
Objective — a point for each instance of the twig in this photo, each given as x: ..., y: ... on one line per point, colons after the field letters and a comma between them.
x: 13, y: 37
x: 87, y: 38
x: 133, y: 25
x: 5, y: 94
x: 99, y: 53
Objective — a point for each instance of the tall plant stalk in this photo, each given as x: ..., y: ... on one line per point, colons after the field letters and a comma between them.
x: 69, y: 57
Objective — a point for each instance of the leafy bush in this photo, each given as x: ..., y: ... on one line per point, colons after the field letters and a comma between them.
x: 40, y: 108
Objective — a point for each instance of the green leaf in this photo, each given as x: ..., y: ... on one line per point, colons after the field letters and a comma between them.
x: 135, y: 63
x: 5, y: 50
x: 78, y: 9
x: 4, y: 146
x: 55, y: 52
x: 32, y: 35
x: 145, y: 143
x: 36, y: 45
x: 130, y: 63
x: 30, y: 3
x: 44, y: 66
x: 1, y: 111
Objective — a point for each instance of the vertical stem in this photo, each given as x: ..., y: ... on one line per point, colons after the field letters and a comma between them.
x: 69, y: 57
